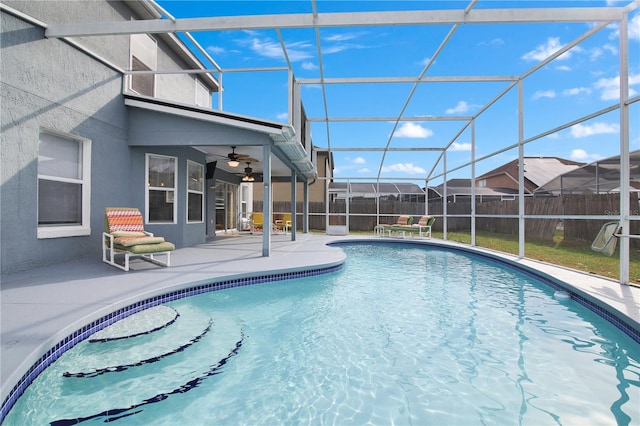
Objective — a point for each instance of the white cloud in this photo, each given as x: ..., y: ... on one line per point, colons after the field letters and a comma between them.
x: 492, y: 42
x: 216, y: 50
x: 341, y: 42
x: 344, y: 36
x: 283, y: 116
x: 544, y: 94
x: 309, y: 66
x: 461, y: 107
x: 425, y: 61
x: 358, y: 160
x: 408, y: 168
x: 595, y: 53
x: 296, y: 51
x: 634, y: 29
x: 576, y: 91
x: 364, y: 170
x: 582, y: 131
x: 412, y: 130
x: 582, y: 156
x: 611, y: 48
x: 610, y: 87
x: 543, y: 51
x: 563, y: 68
x: 457, y: 146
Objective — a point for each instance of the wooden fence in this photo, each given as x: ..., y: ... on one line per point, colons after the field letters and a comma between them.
x: 362, y: 215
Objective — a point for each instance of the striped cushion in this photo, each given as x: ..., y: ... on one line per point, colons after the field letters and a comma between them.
x: 123, y: 219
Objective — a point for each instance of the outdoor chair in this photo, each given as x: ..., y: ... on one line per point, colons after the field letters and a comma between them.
x: 424, y: 225
x: 403, y: 223
x: 257, y: 222
x: 284, y: 223
x: 125, y: 235
x: 606, y: 240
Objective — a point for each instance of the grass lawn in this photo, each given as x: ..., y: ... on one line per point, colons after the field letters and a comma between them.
x: 572, y: 254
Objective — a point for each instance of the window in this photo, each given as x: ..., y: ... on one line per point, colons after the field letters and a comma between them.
x: 203, y: 97
x: 144, y: 57
x: 195, y: 192
x: 161, y: 189
x: 64, y: 177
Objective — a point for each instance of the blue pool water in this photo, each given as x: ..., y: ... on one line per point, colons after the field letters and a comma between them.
x: 400, y: 335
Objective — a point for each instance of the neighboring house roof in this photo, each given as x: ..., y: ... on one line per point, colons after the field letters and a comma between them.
x: 537, y: 170
x: 601, y: 176
x: 463, y: 187
x: 369, y: 189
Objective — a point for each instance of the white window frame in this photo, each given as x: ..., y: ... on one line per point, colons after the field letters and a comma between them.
x: 84, y: 229
x: 143, y: 41
x: 192, y: 191
x: 171, y: 193
x: 201, y: 90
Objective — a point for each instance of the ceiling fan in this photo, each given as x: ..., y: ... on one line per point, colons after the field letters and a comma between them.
x: 234, y: 158
x: 248, y: 173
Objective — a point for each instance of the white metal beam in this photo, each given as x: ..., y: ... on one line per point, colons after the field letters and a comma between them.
x: 413, y: 118
x: 385, y: 149
x: 326, y: 20
x: 438, y: 79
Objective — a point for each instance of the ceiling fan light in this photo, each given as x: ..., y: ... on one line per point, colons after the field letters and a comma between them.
x: 233, y: 163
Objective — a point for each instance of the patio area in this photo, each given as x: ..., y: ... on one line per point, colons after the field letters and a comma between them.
x: 41, y: 307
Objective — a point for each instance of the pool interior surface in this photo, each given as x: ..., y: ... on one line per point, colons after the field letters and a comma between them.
x: 399, y: 335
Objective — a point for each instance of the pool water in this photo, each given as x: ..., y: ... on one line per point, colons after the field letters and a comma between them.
x: 400, y: 335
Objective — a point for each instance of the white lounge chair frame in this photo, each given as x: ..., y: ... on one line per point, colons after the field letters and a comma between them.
x: 107, y: 249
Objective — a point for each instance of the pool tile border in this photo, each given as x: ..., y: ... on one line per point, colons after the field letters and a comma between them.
x: 83, y: 333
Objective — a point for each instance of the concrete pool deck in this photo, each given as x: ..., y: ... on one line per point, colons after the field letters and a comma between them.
x: 41, y: 307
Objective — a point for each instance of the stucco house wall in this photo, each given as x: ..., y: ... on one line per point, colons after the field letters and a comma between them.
x: 50, y: 84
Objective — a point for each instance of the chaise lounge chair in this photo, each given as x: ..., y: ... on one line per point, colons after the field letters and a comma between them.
x: 424, y: 225
x: 124, y: 234
x: 402, y: 224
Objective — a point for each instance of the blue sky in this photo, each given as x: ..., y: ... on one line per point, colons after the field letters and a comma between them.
x: 580, y: 82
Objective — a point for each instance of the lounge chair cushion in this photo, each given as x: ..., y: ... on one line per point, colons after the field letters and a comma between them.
x: 126, y: 234
x: 135, y: 241
x: 149, y: 248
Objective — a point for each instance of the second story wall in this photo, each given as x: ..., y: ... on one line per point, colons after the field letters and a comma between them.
x: 164, y: 51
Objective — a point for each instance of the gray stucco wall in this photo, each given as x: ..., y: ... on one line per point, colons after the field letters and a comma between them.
x: 46, y: 83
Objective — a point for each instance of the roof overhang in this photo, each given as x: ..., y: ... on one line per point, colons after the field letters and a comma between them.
x: 164, y: 123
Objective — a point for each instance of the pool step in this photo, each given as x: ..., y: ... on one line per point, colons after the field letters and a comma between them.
x: 144, y: 322
x: 105, y: 385
x: 107, y: 351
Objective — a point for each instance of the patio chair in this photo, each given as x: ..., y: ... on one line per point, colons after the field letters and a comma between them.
x: 124, y: 235
x: 284, y: 223
x: 606, y: 240
x: 403, y: 224
x: 424, y: 225
x: 257, y: 222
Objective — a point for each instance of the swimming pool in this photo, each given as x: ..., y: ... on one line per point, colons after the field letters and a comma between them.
x: 399, y: 335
